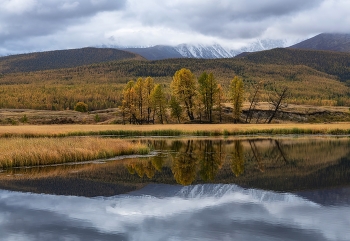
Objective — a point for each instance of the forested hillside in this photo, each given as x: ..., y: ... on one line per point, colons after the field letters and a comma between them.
x: 61, y: 59
x: 312, y: 77
x: 333, y: 63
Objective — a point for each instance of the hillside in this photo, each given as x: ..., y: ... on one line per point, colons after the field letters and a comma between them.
x: 326, y: 41
x: 333, y: 63
x: 312, y: 77
x: 61, y: 59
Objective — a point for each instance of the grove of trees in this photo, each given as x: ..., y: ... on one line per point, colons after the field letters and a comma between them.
x: 190, y: 99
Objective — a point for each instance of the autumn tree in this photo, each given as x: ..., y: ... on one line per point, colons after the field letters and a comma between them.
x: 141, y: 99
x: 175, y: 108
x: 129, y: 102
x: 236, y: 94
x: 158, y: 102
x: 208, y: 89
x: 183, y: 89
x: 149, y: 85
x: 220, y: 98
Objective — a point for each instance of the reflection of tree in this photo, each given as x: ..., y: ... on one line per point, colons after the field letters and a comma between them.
x: 256, y: 155
x: 142, y: 167
x: 158, y: 162
x: 210, y: 160
x: 184, y: 165
x: 237, y: 162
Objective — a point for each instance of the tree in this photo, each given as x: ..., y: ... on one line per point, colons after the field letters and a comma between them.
x: 176, y: 109
x: 140, y: 94
x: 183, y: 89
x: 158, y: 102
x: 149, y: 85
x: 254, y: 99
x: 208, y: 89
x: 220, y: 97
x: 236, y: 94
x: 129, y: 102
x: 277, y: 102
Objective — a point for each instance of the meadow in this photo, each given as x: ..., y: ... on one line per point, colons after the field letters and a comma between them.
x: 25, y: 152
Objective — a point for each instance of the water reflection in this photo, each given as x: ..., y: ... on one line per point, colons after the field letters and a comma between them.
x: 172, y: 212
x: 246, y: 161
x: 284, y: 164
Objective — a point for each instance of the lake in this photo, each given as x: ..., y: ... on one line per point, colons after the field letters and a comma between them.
x: 286, y: 188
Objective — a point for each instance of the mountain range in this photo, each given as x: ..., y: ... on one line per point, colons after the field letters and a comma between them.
x: 85, y: 56
x: 325, y: 41
x: 200, y: 51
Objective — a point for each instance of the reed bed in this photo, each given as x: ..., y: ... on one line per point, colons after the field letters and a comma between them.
x: 173, y: 130
x: 20, y: 152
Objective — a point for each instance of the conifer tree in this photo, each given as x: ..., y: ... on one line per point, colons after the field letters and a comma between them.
x: 208, y: 89
x: 158, y: 101
x: 183, y: 89
x: 236, y: 94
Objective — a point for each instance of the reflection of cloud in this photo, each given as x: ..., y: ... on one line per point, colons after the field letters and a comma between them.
x: 205, y: 212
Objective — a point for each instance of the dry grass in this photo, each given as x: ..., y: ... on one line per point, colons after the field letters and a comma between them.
x: 176, y: 129
x: 16, y: 152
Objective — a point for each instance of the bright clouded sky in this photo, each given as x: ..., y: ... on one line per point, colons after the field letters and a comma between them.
x: 38, y: 25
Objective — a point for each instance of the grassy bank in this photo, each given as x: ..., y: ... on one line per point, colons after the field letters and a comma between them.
x: 17, y: 152
x: 173, y: 130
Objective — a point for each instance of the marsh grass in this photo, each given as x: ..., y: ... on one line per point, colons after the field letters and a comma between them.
x: 18, y: 152
x: 30, y: 131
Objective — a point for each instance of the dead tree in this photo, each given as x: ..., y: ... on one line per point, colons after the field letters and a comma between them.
x: 277, y: 103
x: 253, y: 102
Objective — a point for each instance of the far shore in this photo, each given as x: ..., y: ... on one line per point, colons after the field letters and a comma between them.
x: 341, y: 128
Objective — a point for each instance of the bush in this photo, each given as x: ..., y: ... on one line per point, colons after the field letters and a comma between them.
x: 81, y: 107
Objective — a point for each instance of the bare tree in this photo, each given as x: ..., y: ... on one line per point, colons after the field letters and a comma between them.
x: 254, y: 99
x: 277, y: 103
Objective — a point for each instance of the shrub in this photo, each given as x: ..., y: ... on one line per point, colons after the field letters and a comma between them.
x: 81, y: 107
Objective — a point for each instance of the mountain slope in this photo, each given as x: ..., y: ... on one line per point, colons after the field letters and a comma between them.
x: 62, y: 59
x: 326, y: 41
x: 333, y: 63
x: 156, y: 52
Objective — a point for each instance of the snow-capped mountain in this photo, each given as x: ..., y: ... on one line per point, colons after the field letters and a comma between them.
x: 203, y: 51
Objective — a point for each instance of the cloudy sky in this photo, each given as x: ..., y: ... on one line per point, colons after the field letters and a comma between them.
x: 39, y: 25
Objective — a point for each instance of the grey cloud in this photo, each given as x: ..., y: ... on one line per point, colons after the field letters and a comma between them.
x: 48, y: 17
x: 226, y: 19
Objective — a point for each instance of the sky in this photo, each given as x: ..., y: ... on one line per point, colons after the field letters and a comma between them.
x: 41, y: 25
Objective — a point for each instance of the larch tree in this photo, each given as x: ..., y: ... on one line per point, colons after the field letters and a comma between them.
x: 220, y: 98
x: 208, y: 89
x: 183, y: 89
x: 176, y: 109
x: 128, y: 102
x: 149, y: 85
x: 158, y: 102
x: 140, y: 92
x: 236, y: 94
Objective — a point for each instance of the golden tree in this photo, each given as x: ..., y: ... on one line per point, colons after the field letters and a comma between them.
x: 236, y: 94
x: 183, y: 89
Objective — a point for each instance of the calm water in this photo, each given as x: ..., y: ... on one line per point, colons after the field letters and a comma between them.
x: 191, y: 189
